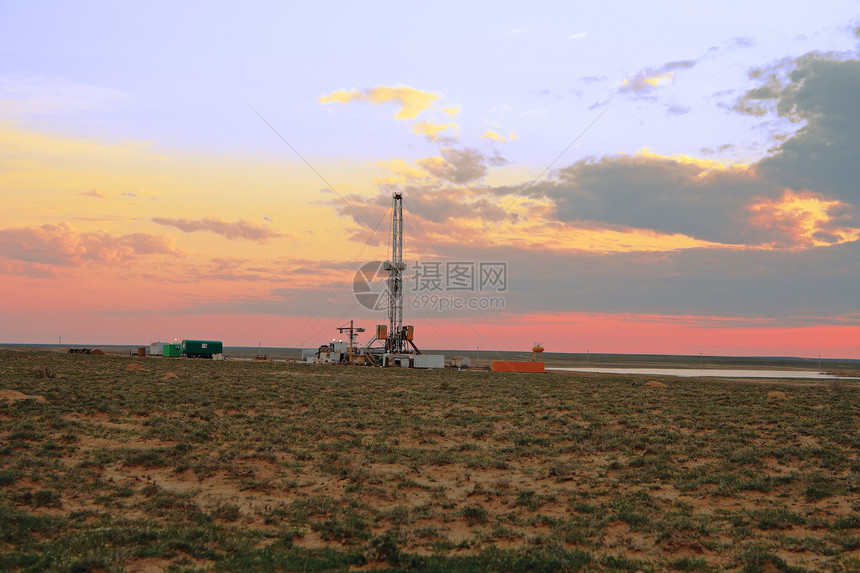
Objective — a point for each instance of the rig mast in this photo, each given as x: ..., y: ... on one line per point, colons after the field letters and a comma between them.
x: 400, y: 349
x: 395, y: 268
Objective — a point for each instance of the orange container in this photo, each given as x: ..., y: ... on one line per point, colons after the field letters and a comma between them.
x: 511, y: 366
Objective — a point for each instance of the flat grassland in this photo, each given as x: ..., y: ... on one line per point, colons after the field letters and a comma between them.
x: 114, y: 463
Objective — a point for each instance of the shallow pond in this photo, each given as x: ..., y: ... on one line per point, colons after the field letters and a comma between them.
x: 708, y: 373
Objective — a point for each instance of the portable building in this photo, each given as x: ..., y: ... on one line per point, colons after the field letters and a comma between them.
x: 201, y: 348
x: 172, y: 350
x: 428, y: 361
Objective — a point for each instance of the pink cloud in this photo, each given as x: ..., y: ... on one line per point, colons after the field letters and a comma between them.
x: 62, y: 245
x: 240, y: 230
x: 93, y: 193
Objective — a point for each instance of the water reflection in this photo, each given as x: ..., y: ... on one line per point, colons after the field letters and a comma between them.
x: 710, y: 373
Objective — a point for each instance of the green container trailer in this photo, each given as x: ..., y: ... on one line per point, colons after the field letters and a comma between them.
x: 201, y: 348
x: 172, y: 350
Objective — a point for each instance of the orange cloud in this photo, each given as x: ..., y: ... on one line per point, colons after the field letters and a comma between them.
x: 342, y: 96
x: 412, y: 102
x: 399, y: 172
x: 568, y: 237
x: 525, y: 228
x: 432, y: 130
x: 493, y: 136
x: 451, y: 110
x: 708, y: 164
x: 465, y: 214
x: 433, y: 164
x: 805, y: 217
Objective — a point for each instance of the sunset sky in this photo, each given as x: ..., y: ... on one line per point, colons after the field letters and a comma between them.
x: 658, y: 177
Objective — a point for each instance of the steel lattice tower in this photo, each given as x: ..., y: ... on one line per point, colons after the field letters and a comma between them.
x: 395, y: 268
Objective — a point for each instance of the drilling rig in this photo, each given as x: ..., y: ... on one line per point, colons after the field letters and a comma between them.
x: 398, y: 335
x: 395, y: 268
x: 398, y: 347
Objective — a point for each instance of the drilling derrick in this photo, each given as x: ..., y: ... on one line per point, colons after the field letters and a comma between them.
x: 395, y: 267
x: 398, y: 341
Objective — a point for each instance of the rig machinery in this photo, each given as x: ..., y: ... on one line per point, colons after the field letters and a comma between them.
x: 397, y: 340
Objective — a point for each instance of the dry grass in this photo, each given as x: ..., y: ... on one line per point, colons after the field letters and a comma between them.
x: 193, y: 464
